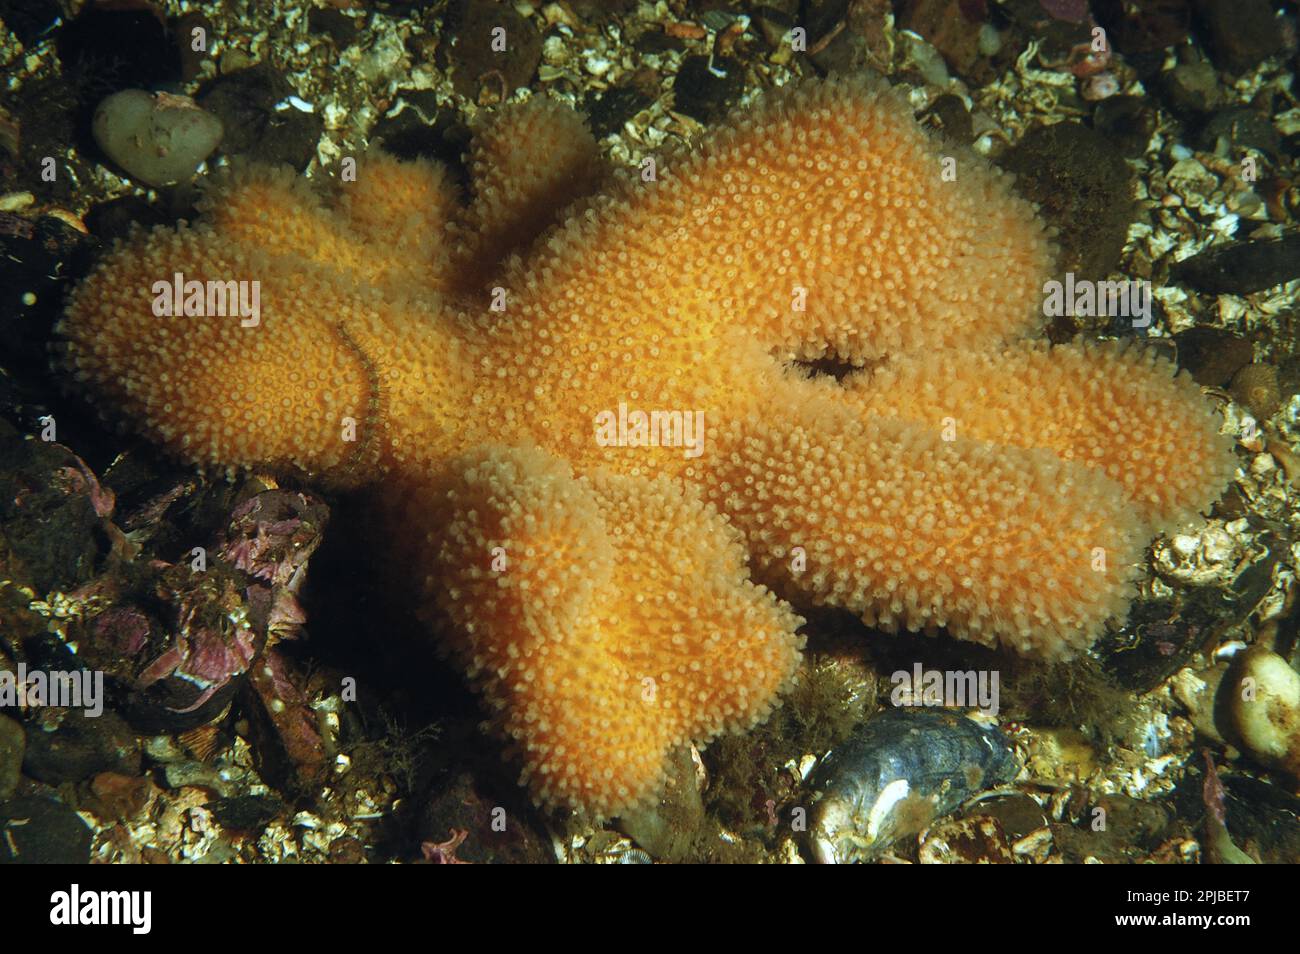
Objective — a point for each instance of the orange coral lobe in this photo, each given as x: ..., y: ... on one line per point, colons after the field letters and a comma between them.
x: 1122, y: 411
x: 604, y: 669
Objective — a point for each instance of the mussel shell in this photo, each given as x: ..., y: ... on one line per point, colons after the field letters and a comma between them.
x: 898, y: 772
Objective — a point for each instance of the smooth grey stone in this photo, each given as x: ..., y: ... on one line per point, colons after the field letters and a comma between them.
x: 157, y: 138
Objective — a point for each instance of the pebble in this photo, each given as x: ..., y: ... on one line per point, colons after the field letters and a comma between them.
x: 1263, y: 702
x: 1076, y: 176
x: 12, y: 744
x: 1211, y: 355
x: 1185, y: 545
x: 670, y: 827
x: 81, y: 747
x: 1191, y: 88
x: 1240, y: 268
x: 478, y: 69
x: 191, y: 774
x: 774, y: 25
x: 424, y: 129
x: 1197, y: 691
x: 701, y: 93
x: 1217, y: 546
x: 189, y: 28
x: 990, y: 40
x: 847, y: 37
x: 246, y: 812
x: 245, y: 102
x: 1239, y: 128
x: 609, y: 109
x: 156, y: 138
x: 41, y: 831
x: 953, y: 118
x: 951, y: 26
x: 118, y: 796
x: 1018, y: 814
x: 598, y: 65
x: 1240, y: 34
x: 1127, y: 121
x: 1146, y: 28
x: 335, y: 24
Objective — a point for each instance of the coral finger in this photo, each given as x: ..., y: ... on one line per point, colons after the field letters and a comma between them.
x: 528, y: 161
x: 594, y: 657
x: 885, y: 518
x: 390, y: 244
x: 400, y: 212
x: 218, y: 384
x: 820, y: 220
x: 1120, y: 410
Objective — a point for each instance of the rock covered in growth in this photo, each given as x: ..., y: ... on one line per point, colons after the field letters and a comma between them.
x: 1240, y: 268
x: 821, y: 222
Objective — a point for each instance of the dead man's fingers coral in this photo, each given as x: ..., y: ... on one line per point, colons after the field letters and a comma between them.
x: 606, y: 621
x: 822, y: 220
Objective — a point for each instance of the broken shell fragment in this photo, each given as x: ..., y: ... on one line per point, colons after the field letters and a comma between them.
x: 899, y: 772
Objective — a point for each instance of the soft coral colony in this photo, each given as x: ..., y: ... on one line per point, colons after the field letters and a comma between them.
x: 612, y: 602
